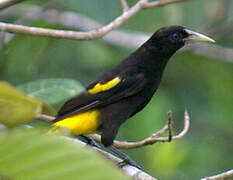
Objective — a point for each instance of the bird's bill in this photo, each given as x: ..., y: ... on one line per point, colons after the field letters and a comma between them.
x: 194, y: 36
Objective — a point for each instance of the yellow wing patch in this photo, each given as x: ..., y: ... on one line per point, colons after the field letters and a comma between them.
x: 104, y: 87
x: 84, y: 123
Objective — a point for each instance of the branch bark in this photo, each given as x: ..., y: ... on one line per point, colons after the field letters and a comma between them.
x: 7, y: 3
x: 92, y: 34
x: 222, y: 176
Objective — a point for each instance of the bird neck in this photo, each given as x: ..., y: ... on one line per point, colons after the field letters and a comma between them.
x: 150, y: 58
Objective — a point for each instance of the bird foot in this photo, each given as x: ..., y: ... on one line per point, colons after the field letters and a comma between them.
x: 128, y: 162
x: 91, y: 141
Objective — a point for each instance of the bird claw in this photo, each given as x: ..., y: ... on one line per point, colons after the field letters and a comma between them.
x: 128, y: 162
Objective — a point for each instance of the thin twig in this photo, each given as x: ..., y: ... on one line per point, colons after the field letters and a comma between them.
x: 45, y: 117
x: 169, y: 124
x: 222, y: 176
x: 7, y: 3
x: 160, y: 3
x: 92, y: 34
x: 125, y: 6
x: 152, y: 139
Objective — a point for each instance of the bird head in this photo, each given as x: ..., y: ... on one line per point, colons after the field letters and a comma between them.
x: 168, y: 40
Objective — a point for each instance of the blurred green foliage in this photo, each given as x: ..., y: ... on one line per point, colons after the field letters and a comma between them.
x: 18, y: 108
x: 203, y: 85
x: 53, y: 91
x: 45, y: 157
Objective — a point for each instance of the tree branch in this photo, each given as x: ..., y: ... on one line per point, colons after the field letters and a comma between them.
x: 128, y: 39
x: 222, y: 176
x: 213, y: 51
x: 7, y: 3
x: 129, y: 170
x: 92, y: 34
x: 156, y: 137
x: 74, y: 20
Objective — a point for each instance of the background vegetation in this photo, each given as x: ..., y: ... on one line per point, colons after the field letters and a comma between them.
x: 201, y: 84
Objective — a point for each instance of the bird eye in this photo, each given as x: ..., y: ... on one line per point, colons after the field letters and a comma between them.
x: 175, y: 37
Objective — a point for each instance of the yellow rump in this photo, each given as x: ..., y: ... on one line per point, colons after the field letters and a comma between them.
x: 83, y: 123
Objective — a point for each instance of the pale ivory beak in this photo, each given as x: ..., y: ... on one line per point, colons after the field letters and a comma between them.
x: 194, y: 36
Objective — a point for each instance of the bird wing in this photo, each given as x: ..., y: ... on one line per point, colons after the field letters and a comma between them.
x: 110, y: 88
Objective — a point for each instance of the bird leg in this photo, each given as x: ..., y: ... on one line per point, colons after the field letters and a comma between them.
x: 91, y: 141
x: 126, y: 158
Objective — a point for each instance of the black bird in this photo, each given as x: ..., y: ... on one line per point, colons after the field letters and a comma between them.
x: 125, y: 89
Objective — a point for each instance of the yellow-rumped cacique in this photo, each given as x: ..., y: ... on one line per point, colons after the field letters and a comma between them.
x: 125, y: 89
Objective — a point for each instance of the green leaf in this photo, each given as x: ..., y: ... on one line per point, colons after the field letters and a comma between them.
x: 48, y: 110
x: 53, y: 91
x: 49, y: 157
x: 16, y: 108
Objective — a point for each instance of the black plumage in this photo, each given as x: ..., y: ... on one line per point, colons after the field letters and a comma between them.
x: 140, y: 75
